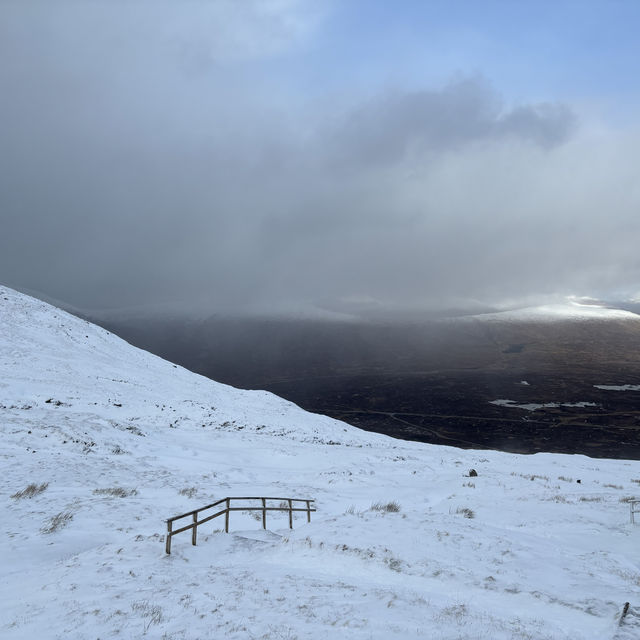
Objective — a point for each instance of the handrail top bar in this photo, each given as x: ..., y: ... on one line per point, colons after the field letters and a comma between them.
x: 214, y: 504
x: 267, y: 498
x: 283, y: 509
x: 190, y: 513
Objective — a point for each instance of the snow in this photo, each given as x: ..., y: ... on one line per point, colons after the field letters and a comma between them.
x: 115, y: 441
x: 533, y: 406
x: 616, y: 387
x: 569, y: 310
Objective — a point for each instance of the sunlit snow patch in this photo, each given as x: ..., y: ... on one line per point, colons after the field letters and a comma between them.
x: 568, y: 310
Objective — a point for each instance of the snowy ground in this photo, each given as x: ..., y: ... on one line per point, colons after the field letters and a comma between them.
x: 119, y: 440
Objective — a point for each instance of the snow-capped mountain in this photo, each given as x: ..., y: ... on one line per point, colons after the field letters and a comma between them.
x: 569, y: 310
x: 102, y: 442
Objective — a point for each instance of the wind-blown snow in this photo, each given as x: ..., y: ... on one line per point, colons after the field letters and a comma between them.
x: 116, y: 440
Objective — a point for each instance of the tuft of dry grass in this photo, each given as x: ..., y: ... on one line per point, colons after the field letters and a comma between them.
x: 151, y: 613
x: 57, y: 522
x: 532, y: 476
x: 558, y: 498
x: 116, y: 492
x: 388, y: 507
x: 31, y: 490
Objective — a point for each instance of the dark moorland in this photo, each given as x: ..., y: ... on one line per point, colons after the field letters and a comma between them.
x: 432, y: 382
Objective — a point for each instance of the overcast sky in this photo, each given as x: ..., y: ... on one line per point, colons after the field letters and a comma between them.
x: 284, y: 154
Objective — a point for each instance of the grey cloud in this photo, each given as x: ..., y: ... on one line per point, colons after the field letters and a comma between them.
x: 546, y: 124
x: 131, y: 174
x: 391, y: 127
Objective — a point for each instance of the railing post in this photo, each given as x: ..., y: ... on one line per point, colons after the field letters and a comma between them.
x: 167, y: 547
x: 226, y: 516
x: 290, y: 514
x: 264, y: 513
x: 308, y: 510
x: 194, y: 531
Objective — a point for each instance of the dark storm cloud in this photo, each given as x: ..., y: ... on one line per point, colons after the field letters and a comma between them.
x: 146, y: 160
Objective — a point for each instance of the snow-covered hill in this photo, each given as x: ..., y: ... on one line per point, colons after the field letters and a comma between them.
x: 102, y: 442
x: 570, y: 310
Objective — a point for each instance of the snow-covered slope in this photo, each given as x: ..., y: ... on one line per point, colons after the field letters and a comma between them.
x: 114, y: 441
